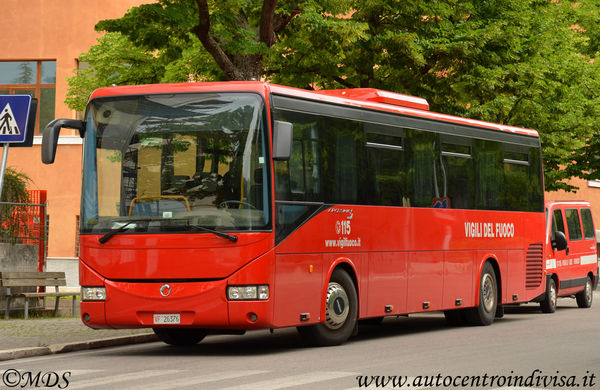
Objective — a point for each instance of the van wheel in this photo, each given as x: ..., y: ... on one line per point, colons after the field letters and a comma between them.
x: 548, y: 305
x: 180, y: 336
x: 585, y: 297
x: 485, y: 312
x: 341, y: 310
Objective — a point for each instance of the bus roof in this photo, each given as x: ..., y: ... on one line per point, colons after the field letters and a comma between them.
x: 367, y: 98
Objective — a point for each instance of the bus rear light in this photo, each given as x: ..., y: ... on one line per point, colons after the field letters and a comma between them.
x: 93, y: 293
x: 247, y: 293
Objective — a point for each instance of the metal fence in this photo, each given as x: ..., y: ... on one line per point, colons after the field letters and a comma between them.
x: 26, y: 223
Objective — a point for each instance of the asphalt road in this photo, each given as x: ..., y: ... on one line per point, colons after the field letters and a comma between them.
x: 525, y: 348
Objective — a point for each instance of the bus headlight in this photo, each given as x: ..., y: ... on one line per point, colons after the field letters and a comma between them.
x: 93, y: 293
x: 246, y: 293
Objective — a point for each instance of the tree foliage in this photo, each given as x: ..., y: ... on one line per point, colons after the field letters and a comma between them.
x: 114, y: 60
x: 14, y: 188
x: 526, y: 63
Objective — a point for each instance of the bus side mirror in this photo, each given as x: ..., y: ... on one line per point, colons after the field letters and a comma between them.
x: 50, y: 136
x: 560, y: 241
x: 282, y: 140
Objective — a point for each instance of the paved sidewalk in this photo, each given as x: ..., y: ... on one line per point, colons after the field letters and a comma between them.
x: 47, y: 335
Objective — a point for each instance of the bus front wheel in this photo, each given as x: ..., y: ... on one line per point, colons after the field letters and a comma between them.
x: 484, y: 313
x: 341, y: 311
x: 180, y: 336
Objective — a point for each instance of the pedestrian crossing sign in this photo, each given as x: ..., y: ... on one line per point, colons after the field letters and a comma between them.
x: 14, y: 115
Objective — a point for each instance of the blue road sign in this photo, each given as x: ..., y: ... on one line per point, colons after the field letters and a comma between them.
x: 14, y: 114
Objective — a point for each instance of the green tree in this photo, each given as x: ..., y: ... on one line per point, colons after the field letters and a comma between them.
x: 526, y: 63
x: 114, y: 60
x: 238, y: 35
x: 517, y: 62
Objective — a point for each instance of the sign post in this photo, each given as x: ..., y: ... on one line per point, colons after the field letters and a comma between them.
x: 15, y: 124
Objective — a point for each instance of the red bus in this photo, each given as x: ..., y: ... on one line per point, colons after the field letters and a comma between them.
x: 570, y: 253
x: 275, y: 207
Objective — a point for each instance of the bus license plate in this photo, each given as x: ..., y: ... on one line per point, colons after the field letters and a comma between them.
x: 167, y: 319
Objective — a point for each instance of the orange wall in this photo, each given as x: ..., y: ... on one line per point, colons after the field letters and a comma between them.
x: 585, y: 192
x: 57, y: 30
x: 62, y: 180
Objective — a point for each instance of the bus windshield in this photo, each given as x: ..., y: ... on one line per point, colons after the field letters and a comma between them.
x: 175, y: 162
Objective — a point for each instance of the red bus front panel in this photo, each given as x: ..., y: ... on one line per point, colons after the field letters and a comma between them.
x: 202, y: 303
x: 172, y: 256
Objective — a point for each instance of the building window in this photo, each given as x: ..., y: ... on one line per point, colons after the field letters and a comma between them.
x: 34, y: 78
x: 594, y: 183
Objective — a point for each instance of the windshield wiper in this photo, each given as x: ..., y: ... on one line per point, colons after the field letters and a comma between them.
x: 123, y: 227
x: 120, y: 229
x: 226, y: 236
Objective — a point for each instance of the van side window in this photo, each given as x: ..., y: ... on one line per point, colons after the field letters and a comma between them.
x: 573, y: 224
x: 557, y: 222
x: 588, y: 224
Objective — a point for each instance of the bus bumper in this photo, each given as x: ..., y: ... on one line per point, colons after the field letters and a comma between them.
x: 202, y: 304
x: 199, y: 305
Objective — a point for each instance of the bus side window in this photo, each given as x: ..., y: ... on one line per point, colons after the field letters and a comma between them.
x: 424, y: 173
x: 516, y: 176
x: 385, y: 165
x: 457, y: 164
x: 289, y: 175
x: 297, y: 168
x: 489, y: 175
x: 299, y: 179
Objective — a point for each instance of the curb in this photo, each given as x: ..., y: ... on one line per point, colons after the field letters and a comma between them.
x: 20, y: 353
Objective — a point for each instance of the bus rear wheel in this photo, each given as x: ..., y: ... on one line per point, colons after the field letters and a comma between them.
x: 341, y: 311
x: 584, y: 298
x: 548, y: 305
x: 180, y: 336
x: 484, y: 313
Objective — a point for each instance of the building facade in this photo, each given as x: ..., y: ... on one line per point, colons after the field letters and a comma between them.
x: 41, y: 41
x: 589, y: 191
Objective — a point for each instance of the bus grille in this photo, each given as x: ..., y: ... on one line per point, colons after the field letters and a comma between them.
x: 535, y: 261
